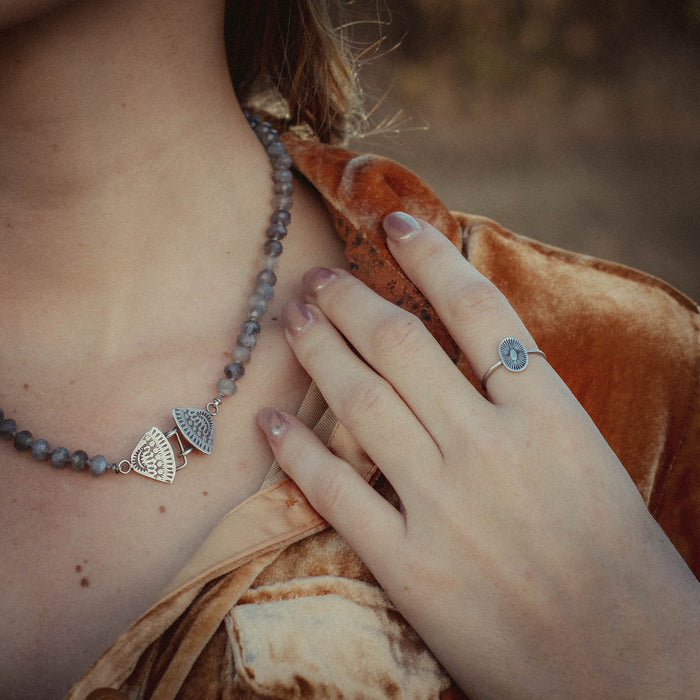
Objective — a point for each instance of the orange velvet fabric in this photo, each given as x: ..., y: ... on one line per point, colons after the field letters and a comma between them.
x: 280, y: 606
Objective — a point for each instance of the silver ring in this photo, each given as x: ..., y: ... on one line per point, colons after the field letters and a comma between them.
x: 513, y: 356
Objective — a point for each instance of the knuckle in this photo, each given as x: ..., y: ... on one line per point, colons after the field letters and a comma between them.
x: 431, y: 246
x: 402, y: 334
x: 475, y: 300
x: 328, y: 491
x: 363, y: 396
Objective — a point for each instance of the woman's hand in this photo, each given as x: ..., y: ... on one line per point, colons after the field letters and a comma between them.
x: 523, y: 554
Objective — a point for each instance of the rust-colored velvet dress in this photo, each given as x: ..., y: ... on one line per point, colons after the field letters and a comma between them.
x: 275, y: 605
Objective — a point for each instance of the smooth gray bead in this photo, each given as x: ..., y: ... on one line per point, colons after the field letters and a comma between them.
x: 282, y: 202
x: 59, y: 457
x: 285, y: 188
x: 23, y: 441
x: 281, y: 216
x: 282, y: 163
x: 241, y: 355
x: 258, y: 302
x: 40, y: 450
x: 276, y: 232
x: 267, y: 276
x: 79, y: 460
x: 264, y: 290
x: 234, y: 371
x: 98, y: 465
x: 247, y: 340
x: 250, y: 326
x: 273, y: 248
x: 226, y: 386
x: 282, y: 175
x: 268, y: 137
x: 276, y: 150
x: 8, y: 428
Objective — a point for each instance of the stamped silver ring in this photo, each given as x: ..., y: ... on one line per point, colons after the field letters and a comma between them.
x: 513, y: 356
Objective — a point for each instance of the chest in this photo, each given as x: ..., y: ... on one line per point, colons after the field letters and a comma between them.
x: 83, y: 557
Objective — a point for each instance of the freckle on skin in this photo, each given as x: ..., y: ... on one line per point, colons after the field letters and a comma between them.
x: 26, y: 386
x: 85, y: 582
x: 78, y: 568
x: 205, y: 493
x: 529, y: 574
x: 161, y: 509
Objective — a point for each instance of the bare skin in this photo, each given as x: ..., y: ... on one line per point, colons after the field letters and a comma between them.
x: 133, y: 204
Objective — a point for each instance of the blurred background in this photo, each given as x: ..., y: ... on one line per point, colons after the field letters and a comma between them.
x: 576, y: 123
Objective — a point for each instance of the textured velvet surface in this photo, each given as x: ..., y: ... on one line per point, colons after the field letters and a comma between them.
x: 288, y: 610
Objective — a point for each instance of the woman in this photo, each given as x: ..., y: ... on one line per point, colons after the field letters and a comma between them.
x: 135, y: 199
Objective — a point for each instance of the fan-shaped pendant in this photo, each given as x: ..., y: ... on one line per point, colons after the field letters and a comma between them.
x: 154, y: 457
x: 197, y: 427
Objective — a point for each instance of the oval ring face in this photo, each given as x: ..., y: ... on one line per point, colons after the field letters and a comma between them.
x: 512, y: 354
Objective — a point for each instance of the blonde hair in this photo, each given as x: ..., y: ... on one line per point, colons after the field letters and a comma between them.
x: 294, y: 52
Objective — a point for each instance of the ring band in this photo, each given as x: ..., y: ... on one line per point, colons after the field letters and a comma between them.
x: 513, y: 356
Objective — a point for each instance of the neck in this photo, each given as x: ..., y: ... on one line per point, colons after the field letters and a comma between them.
x: 109, y: 114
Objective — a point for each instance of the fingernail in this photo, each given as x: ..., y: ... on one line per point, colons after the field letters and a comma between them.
x: 272, y: 423
x: 296, y: 317
x: 400, y: 226
x: 316, y: 279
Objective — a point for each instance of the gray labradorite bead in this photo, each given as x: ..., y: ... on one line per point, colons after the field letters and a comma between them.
x: 284, y: 188
x: 226, y: 386
x: 250, y: 326
x: 59, y: 457
x: 247, y: 340
x: 276, y: 150
x: 282, y: 163
x: 40, y: 450
x: 79, y: 460
x: 8, y: 428
x: 282, y: 202
x: 257, y: 303
x: 266, y: 276
x: 273, y: 248
x: 276, y: 232
x: 282, y: 216
x: 282, y: 176
x: 98, y: 465
x: 267, y: 136
x: 23, y: 441
x: 264, y: 290
x: 240, y: 354
x: 234, y: 371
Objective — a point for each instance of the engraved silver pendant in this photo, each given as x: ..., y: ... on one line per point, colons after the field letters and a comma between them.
x: 512, y: 354
x: 197, y: 427
x: 153, y: 457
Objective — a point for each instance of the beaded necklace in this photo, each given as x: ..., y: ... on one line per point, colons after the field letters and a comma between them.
x: 154, y: 455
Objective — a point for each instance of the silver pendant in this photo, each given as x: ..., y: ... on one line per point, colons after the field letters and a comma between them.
x: 197, y: 427
x: 153, y: 457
